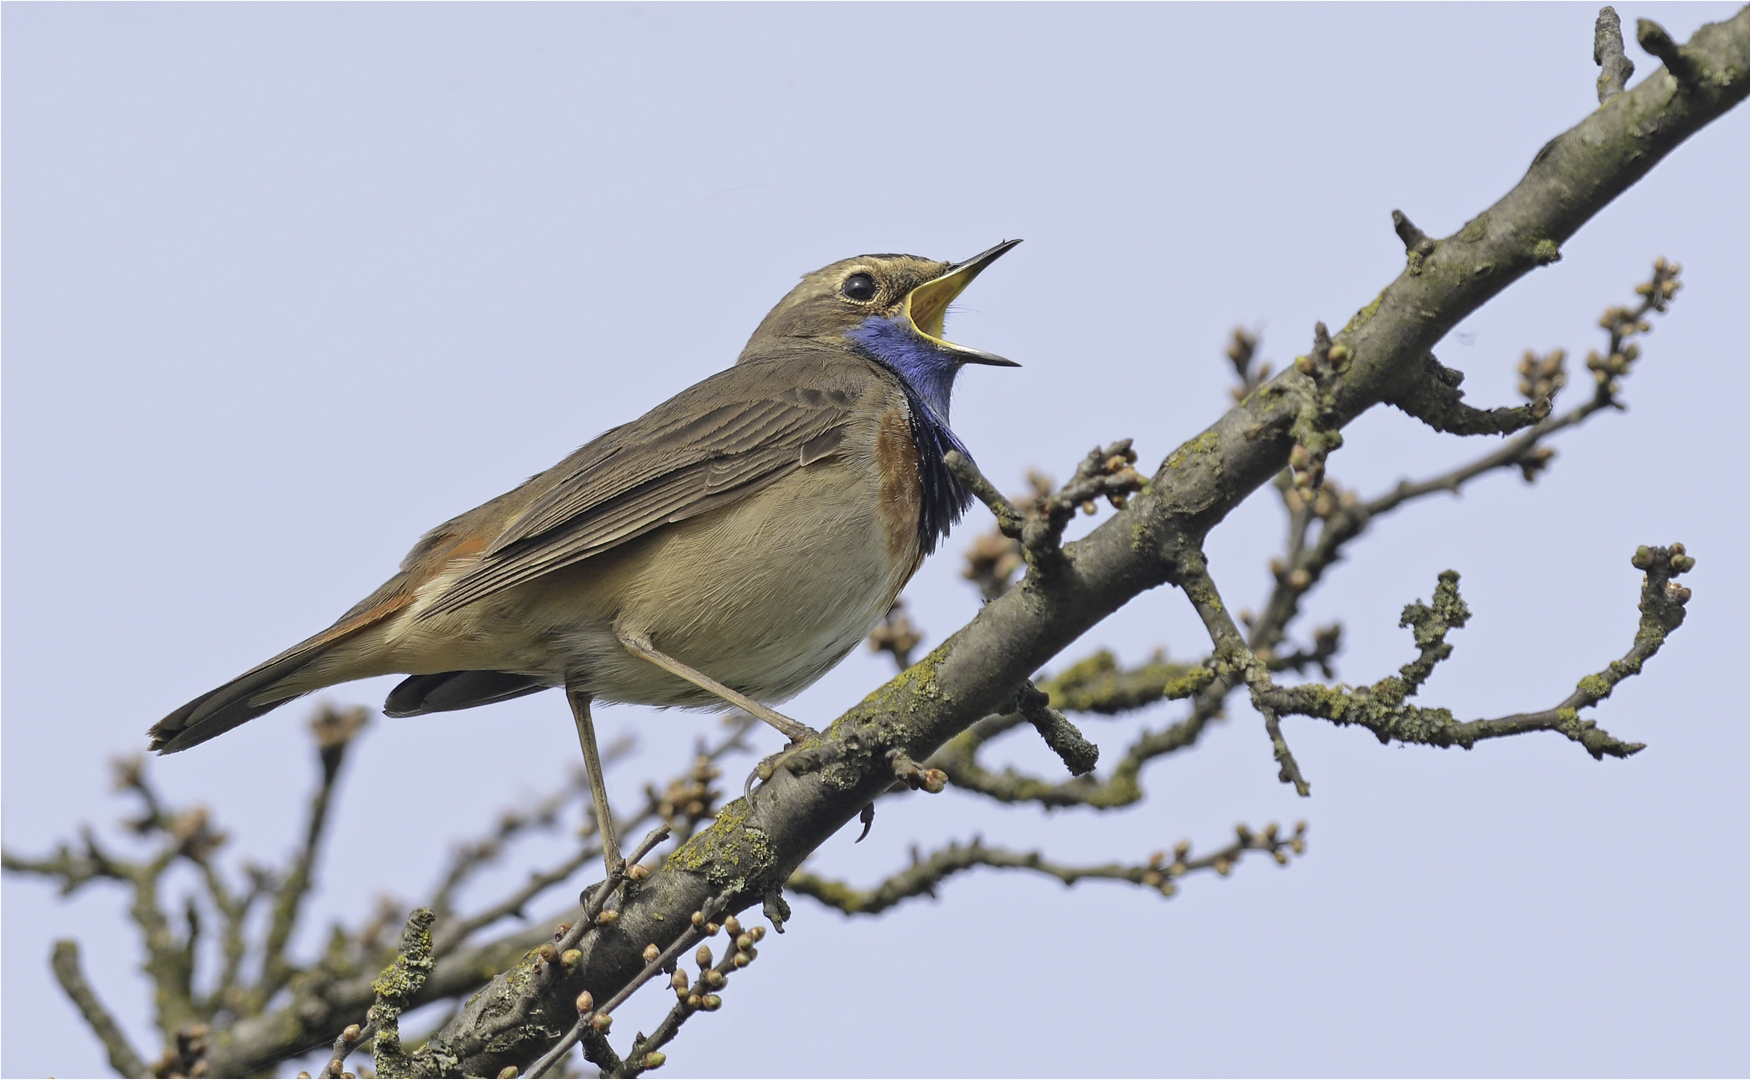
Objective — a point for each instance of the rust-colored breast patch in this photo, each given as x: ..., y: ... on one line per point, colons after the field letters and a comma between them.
x: 901, y: 499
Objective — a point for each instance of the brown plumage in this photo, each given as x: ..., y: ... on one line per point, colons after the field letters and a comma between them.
x: 754, y: 528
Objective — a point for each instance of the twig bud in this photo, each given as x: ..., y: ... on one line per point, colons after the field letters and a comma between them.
x: 711, y: 1003
x: 655, y: 1059
x: 601, y: 1022
x: 703, y: 957
x: 715, y: 979
x: 733, y: 926
x: 651, y: 952
x: 585, y: 1002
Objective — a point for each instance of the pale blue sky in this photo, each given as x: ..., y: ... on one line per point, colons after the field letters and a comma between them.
x: 288, y: 284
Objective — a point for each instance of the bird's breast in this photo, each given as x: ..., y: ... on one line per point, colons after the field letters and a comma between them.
x: 901, y: 499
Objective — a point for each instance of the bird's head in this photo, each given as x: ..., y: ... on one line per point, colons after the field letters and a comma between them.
x: 889, y: 307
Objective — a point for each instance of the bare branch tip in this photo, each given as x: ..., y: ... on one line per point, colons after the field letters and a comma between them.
x: 1415, y: 240
x: 1615, y: 68
x: 1656, y: 42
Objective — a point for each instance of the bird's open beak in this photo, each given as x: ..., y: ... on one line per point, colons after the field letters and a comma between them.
x: 927, y: 304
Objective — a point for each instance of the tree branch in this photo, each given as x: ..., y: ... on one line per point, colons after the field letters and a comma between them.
x: 68, y: 972
x: 757, y: 843
x: 926, y: 873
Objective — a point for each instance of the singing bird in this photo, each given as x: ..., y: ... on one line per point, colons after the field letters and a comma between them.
x: 725, y: 549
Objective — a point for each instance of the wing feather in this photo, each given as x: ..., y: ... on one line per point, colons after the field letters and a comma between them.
x: 714, y: 444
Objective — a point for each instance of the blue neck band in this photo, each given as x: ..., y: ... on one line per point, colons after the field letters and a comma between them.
x: 927, y: 372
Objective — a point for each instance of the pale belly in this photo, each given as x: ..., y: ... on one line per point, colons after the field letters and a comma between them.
x: 765, y: 595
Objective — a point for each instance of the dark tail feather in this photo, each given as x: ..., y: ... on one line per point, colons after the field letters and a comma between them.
x: 450, y: 690
x: 250, y: 694
x: 218, y: 711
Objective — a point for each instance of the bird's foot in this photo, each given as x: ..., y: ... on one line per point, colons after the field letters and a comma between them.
x: 796, y: 757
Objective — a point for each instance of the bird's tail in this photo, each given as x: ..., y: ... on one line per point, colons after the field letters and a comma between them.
x: 268, y: 685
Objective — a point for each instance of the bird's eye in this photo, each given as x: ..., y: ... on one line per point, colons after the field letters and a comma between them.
x: 859, y: 287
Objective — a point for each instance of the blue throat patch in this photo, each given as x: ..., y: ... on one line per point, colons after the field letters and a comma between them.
x: 928, y: 375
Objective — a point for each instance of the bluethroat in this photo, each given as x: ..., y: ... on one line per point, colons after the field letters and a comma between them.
x: 723, y: 550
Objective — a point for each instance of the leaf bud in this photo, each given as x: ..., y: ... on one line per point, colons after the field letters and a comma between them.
x: 585, y: 1002
x: 715, y: 979
x: 509, y: 1072
x: 703, y: 957
x: 638, y: 871
x: 651, y: 952
x: 757, y: 933
x: 601, y: 1022
x: 711, y: 1003
x: 732, y: 926
x: 693, y: 1001
x: 655, y: 1059
x: 548, y: 951
x: 697, y: 919
x: 351, y: 1034
x: 1181, y: 850
x: 569, y: 959
x: 607, y: 918
x: 744, y: 941
x: 741, y: 960
x: 935, y: 780
x: 679, y: 980
x: 711, y: 929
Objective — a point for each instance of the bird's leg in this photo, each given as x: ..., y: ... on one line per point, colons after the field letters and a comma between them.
x: 640, y: 646
x: 580, y: 703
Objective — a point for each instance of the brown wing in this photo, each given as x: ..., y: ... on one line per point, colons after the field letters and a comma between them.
x: 713, y: 444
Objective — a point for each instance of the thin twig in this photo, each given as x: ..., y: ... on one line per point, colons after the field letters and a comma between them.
x: 1615, y: 68
x: 69, y: 973
x: 927, y: 872
x: 587, y: 1016
x: 334, y: 730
